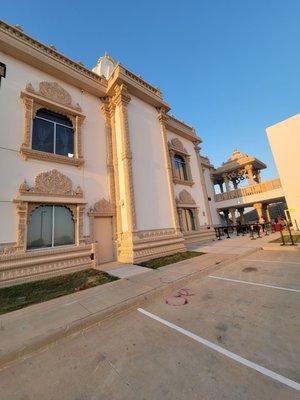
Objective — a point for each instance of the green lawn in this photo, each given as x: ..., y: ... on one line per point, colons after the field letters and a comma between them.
x: 287, y: 239
x: 19, y: 296
x: 174, y: 258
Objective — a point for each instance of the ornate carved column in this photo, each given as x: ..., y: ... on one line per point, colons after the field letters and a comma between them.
x: 108, y: 109
x: 268, y: 215
x: 162, y: 120
x: 78, y: 141
x: 226, y: 181
x: 80, y: 214
x: 258, y: 207
x: 28, y: 102
x: 204, y: 188
x: 232, y: 214
x: 180, y: 211
x: 22, y: 209
x: 249, y: 170
x: 121, y: 99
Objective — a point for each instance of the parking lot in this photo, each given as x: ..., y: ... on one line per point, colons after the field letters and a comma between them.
x: 231, y: 335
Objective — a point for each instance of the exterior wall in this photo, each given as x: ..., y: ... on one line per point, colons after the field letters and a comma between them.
x: 92, y: 176
x: 211, y: 193
x: 153, y: 209
x: 196, y: 189
x: 284, y: 139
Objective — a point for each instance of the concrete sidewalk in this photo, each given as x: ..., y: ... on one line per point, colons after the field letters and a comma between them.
x: 29, y: 329
x: 235, y: 245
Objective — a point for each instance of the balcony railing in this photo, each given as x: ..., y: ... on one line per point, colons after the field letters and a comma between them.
x: 249, y: 190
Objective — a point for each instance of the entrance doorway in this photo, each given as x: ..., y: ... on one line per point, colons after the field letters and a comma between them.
x: 104, y: 236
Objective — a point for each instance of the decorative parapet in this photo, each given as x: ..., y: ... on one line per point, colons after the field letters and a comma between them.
x: 34, y: 45
x: 249, y: 190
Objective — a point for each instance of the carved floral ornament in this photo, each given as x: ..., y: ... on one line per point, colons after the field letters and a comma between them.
x: 185, y: 198
x: 176, y: 144
x: 103, y: 206
x: 51, y: 183
x: 53, y: 91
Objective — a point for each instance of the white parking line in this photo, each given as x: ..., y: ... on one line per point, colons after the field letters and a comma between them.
x: 269, y: 261
x: 254, y: 283
x: 227, y: 353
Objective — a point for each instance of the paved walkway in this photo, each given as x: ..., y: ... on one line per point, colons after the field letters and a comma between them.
x: 235, y: 245
x: 31, y: 328
x: 36, y: 326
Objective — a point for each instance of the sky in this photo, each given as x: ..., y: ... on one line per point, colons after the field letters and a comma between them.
x: 230, y: 68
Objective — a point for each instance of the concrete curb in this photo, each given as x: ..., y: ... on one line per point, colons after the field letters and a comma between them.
x: 278, y: 247
x: 42, y: 341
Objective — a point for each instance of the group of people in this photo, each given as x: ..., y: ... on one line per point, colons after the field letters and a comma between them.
x: 279, y: 224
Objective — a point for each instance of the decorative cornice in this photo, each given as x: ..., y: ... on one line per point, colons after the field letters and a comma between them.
x: 54, y: 92
x: 41, y: 155
x: 51, y: 183
x: 21, y: 46
x: 185, y: 198
x: 176, y: 145
x: 104, y: 207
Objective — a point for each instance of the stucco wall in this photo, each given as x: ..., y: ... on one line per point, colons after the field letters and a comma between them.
x: 152, y: 202
x: 92, y: 177
x: 196, y: 189
x: 284, y: 139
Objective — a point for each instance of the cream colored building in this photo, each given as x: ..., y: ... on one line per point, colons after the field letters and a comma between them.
x: 93, y: 168
x: 284, y: 139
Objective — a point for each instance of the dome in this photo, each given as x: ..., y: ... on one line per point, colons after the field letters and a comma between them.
x: 104, y: 66
x: 236, y: 155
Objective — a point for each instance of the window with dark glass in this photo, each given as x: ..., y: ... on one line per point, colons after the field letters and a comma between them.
x: 50, y: 226
x: 53, y: 133
x: 180, y: 168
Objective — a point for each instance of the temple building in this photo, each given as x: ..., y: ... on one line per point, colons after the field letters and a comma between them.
x: 94, y: 168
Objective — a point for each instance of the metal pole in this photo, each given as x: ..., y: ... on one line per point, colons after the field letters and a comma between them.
x: 290, y: 233
x: 282, y: 237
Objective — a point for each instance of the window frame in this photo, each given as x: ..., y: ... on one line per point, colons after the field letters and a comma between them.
x: 176, y: 148
x: 53, y: 246
x: 54, y: 132
x: 34, y: 101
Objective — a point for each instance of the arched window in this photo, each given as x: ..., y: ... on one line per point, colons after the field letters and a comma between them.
x: 50, y: 226
x: 188, y: 220
x: 180, y: 167
x: 53, y: 133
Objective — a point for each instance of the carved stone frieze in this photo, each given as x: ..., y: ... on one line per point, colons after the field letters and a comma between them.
x: 51, y: 183
x: 103, y: 206
x: 53, y: 91
x: 177, y: 145
x: 185, y: 198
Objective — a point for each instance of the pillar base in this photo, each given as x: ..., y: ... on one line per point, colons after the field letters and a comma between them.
x: 145, y: 245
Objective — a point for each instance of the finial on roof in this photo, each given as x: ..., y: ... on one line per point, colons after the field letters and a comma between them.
x: 105, y: 65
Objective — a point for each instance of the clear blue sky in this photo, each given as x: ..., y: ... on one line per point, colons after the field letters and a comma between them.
x: 228, y: 67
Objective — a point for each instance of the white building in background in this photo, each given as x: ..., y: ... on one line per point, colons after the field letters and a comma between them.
x: 284, y: 138
x: 93, y: 168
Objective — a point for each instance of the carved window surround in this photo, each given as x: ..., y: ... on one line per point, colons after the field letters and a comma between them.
x: 176, y: 147
x: 52, y: 97
x: 50, y: 187
x: 186, y: 201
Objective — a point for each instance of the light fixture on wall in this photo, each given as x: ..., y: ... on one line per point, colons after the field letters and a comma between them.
x: 2, y: 71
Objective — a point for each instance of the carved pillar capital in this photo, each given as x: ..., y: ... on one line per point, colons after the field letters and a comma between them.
x: 121, y: 95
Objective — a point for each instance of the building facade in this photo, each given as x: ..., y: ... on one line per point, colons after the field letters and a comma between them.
x: 93, y: 166
x: 284, y: 141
